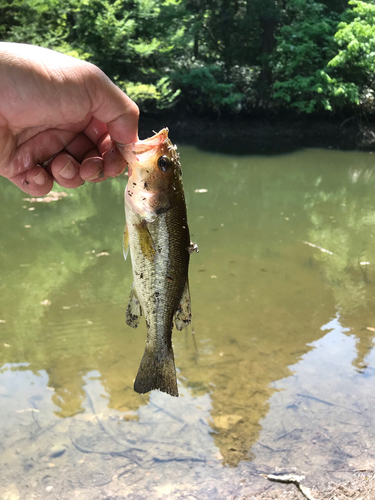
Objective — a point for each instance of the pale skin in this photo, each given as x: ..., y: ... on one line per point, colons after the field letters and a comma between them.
x: 59, y: 120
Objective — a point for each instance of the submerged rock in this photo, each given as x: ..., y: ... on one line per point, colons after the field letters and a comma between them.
x: 57, y: 451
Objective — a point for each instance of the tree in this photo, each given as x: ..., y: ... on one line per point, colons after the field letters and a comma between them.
x: 213, y: 56
x: 304, y: 46
x: 355, y: 60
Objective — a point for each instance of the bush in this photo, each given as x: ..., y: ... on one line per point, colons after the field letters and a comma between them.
x: 204, y: 92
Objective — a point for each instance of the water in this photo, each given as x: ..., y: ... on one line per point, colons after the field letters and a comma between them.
x: 278, y: 374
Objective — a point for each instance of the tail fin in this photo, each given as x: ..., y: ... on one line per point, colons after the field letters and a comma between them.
x: 157, y: 371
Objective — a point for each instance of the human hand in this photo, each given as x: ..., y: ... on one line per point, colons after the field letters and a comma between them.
x: 55, y: 106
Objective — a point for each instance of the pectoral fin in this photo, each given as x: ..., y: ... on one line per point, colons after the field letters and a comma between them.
x: 134, y: 310
x: 182, y: 316
x: 193, y: 247
x: 146, y: 242
x: 125, y: 242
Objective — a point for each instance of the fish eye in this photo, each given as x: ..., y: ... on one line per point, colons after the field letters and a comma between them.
x: 164, y: 163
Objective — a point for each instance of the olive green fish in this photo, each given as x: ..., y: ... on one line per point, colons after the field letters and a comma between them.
x: 157, y: 234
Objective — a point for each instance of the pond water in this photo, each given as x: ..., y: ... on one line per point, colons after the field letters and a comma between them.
x: 277, y: 372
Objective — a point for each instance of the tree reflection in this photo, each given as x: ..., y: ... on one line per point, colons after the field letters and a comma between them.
x: 260, y: 295
x: 343, y: 221
x: 57, y: 274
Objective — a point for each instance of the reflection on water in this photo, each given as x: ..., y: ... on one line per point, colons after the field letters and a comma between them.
x: 279, y: 368
x: 324, y: 412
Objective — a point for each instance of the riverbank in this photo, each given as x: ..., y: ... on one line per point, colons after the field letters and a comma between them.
x: 260, y: 135
x: 360, y: 487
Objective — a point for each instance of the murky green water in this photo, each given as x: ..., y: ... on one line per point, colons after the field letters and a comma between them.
x: 280, y: 370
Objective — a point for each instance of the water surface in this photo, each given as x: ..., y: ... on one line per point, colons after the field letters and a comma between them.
x: 277, y: 371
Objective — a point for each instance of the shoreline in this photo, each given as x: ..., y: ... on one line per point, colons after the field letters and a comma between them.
x: 262, y: 135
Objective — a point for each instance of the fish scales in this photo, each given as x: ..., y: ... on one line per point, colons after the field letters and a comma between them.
x: 160, y: 283
x: 157, y: 234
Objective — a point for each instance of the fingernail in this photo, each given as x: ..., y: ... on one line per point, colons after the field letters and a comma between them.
x: 96, y: 175
x: 40, y: 178
x: 68, y: 172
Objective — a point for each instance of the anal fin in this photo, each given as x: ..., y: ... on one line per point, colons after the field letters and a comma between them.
x: 182, y: 316
x: 134, y: 310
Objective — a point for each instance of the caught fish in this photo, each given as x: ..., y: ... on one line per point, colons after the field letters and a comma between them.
x: 157, y: 234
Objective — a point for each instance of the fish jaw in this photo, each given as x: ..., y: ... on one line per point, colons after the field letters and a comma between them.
x: 143, y: 150
x: 140, y: 203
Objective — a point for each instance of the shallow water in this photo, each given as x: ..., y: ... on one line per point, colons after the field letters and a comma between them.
x: 277, y: 372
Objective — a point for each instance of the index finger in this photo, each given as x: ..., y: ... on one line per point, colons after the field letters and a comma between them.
x: 97, y: 132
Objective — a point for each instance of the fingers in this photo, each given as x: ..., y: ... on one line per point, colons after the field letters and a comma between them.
x: 35, y: 181
x: 92, y: 170
x: 114, y: 163
x: 95, y: 130
x: 83, y: 159
x: 66, y: 171
x: 87, y: 161
x: 85, y: 150
x: 70, y: 173
x: 97, y: 168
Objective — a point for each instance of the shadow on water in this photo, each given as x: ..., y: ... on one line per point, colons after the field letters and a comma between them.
x: 272, y: 135
x: 279, y: 371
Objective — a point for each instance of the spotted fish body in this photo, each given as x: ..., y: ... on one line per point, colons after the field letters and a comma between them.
x: 157, y: 234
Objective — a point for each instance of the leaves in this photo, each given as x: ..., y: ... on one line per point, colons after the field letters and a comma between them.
x: 356, y: 40
x: 214, y: 55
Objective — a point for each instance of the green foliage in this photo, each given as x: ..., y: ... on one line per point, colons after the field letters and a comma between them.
x: 356, y: 40
x: 356, y: 57
x: 304, y: 46
x: 39, y: 22
x: 204, y: 91
x: 304, y: 58
x: 151, y: 97
x: 67, y: 49
x: 213, y: 55
x: 315, y: 92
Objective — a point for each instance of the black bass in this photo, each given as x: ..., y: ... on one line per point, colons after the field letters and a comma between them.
x: 157, y: 234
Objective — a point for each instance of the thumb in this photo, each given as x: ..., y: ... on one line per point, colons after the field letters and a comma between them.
x: 112, y: 106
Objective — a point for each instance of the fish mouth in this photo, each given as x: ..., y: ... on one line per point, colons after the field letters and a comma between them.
x: 146, y: 149
x: 154, y: 141
x: 143, y: 151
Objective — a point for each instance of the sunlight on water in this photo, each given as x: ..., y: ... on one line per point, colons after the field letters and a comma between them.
x: 276, y: 371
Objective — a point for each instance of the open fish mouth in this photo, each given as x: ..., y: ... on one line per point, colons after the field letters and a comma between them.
x: 143, y: 150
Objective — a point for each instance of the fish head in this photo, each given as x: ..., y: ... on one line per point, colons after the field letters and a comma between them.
x: 154, y: 175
